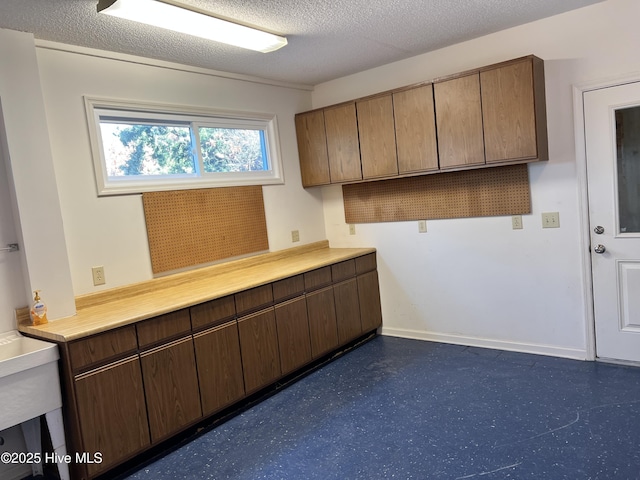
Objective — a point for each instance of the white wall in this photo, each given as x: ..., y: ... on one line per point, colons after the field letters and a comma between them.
x: 110, y: 231
x: 11, y: 278
x: 31, y: 179
x: 477, y: 281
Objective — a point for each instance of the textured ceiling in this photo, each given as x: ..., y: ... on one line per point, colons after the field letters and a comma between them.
x: 327, y: 38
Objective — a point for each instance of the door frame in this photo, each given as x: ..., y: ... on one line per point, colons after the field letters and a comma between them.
x: 583, y: 198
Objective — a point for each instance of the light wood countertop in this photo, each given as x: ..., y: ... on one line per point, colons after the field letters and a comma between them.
x: 121, y: 306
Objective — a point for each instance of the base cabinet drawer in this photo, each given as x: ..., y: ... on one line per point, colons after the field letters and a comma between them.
x: 112, y: 413
x: 219, y: 367
x: 259, y: 347
x: 171, y: 387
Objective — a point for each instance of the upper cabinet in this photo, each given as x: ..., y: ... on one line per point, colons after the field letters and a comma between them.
x: 377, y: 137
x: 415, y: 126
x: 490, y: 116
x: 343, y: 147
x: 459, y: 122
x: 312, y: 148
x: 513, y: 111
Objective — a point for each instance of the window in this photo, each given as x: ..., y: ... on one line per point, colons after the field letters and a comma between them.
x: 142, y: 147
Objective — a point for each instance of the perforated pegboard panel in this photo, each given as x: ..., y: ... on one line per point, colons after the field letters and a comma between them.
x: 472, y: 193
x: 193, y: 227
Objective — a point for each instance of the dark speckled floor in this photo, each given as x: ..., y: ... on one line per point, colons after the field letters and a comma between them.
x: 396, y: 408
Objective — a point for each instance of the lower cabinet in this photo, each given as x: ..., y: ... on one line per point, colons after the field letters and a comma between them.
x: 293, y: 334
x: 369, y: 300
x: 171, y: 387
x: 347, y: 310
x: 219, y: 367
x: 259, y: 347
x: 112, y: 413
x: 323, y: 330
x: 133, y: 387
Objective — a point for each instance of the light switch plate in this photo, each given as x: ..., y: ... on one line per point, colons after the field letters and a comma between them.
x: 422, y: 226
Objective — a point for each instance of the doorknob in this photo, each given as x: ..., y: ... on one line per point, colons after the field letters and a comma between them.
x: 599, y: 230
x: 599, y: 248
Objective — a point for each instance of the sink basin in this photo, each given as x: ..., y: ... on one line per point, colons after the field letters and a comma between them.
x: 29, y: 379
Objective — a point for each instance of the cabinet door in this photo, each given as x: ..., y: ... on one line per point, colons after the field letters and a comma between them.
x: 112, y: 413
x: 293, y: 334
x: 343, y: 148
x: 219, y: 367
x: 323, y: 330
x: 347, y: 310
x: 312, y: 148
x: 377, y: 137
x: 508, y: 112
x: 369, y: 295
x: 459, y: 122
x: 171, y: 387
x: 415, y: 124
x: 259, y: 347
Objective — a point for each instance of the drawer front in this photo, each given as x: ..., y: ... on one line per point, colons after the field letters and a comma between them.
x: 366, y: 263
x: 213, y: 313
x: 254, y: 299
x: 102, y: 347
x: 164, y: 327
x: 343, y: 270
x: 288, y: 288
x: 318, y: 278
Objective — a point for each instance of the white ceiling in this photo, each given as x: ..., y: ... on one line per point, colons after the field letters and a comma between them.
x: 327, y: 38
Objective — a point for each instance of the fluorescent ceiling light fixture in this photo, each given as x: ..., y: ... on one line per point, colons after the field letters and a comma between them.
x: 179, y: 19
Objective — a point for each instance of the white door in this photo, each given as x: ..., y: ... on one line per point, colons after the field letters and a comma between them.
x: 612, y: 131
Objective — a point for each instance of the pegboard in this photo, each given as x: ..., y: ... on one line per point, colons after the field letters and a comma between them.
x: 193, y: 227
x: 471, y: 193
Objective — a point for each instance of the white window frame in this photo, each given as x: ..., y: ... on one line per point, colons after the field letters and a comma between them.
x: 97, y: 107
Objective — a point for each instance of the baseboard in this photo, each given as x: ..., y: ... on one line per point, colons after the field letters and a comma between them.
x: 537, y: 349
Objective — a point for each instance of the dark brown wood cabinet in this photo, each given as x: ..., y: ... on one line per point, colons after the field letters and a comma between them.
x: 459, y: 122
x: 294, y: 342
x: 171, y: 388
x: 219, y: 367
x: 369, y: 297
x: 132, y: 387
x: 347, y: 310
x: 112, y: 413
x: 259, y: 347
x: 377, y: 137
x: 323, y: 328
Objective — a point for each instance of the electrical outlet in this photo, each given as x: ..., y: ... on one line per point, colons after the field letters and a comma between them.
x: 295, y: 236
x: 551, y: 220
x: 422, y: 226
x: 98, y: 276
x: 352, y: 229
x: 516, y: 222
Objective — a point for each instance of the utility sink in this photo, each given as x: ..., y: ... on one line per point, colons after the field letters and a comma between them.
x: 29, y: 379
